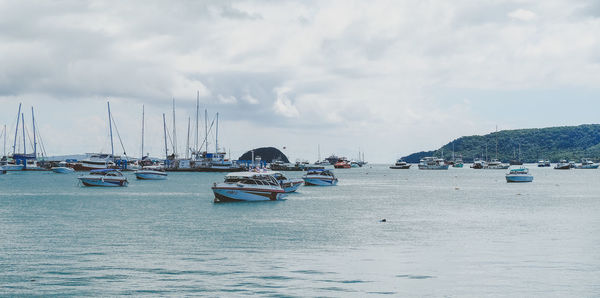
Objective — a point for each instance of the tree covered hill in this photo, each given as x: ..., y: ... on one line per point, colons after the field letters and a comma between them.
x: 553, y: 143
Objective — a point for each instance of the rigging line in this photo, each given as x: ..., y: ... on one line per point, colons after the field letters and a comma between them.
x: 209, y: 130
x: 41, y: 141
x: 169, y: 135
x: 119, y: 136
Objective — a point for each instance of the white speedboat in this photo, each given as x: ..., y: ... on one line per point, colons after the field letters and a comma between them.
x: 62, y: 168
x: 432, y: 163
x: 319, y: 177
x: 97, y: 161
x: 248, y: 186
x: 587, y: 164
x: 401, y: 164
x: 104, y: 177
x: 519, y: 175
x: 150, y: 174
x: 288, y: 185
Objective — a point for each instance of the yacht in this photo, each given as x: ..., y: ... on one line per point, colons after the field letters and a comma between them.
x: 62, y: 168
x: 248, y: 186
x: 479, y: 164
x: 587, y: 164
x: 96, y: 161
x: 519, y: 175
x: 320, y: 178
x: 562, y: 165
x: 432, y: 163
x: 495, y: 164
x: 400, y: 164
x: 104, y: 177
x: 150, y: 174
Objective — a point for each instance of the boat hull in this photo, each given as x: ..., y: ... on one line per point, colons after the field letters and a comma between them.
x: 519, y: 178
x: 319, y: 181
x: 587, y: 167
x: 62, y: 170
x: 440, y: 167
x: 12, y: 167
x: 150, y: 175
x: 103, y: 182
x: 224, y: 194
x: 405, y: 167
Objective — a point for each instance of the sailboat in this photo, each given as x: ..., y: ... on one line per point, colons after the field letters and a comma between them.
x: 146, y: 173
x: 516, y: 161
x: 24, y: 160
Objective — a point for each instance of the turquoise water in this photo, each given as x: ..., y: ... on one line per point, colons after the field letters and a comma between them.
x: 460, y: 232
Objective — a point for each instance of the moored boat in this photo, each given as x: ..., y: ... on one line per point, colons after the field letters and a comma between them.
x: 62, y: 168
x: 104, y: 177
x: 495, y: 164
x: 519, y: 175
x: 587, y: 164
x: 401, y: 164
x: 432, y: 163
x: 150, y: 174
x: 248, y: 186
x: 543, y: 163
x: 562, y: 165
x: 320, y: 178
x: 342, y: 164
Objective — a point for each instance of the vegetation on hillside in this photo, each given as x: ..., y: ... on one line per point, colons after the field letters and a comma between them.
x: 553, y: 143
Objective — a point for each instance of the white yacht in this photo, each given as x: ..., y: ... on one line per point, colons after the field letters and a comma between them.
x: 587, y: 164
x: 96, y: 161
x: 495, y: 164
x: 432, y: 163
x: 248, y: 186
x: 401, y: 164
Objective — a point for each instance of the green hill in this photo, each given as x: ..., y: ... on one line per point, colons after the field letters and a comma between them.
x: 553, y: 143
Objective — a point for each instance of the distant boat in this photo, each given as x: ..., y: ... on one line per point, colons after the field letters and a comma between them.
x: 401, y: 164
x: 342, y: 164
x: 458, y: 163
x: 543, y: 163
x: 562, y: 165
x: 495, y: 164
x: 148, y: 174
x: 587, y: 164
x: 320, y: 178
x: 479, y: 164
x: 432, y: 163
x: 62, y: 168
x: 104, y: 177
x: 519, y: 175
x: 332, y: 159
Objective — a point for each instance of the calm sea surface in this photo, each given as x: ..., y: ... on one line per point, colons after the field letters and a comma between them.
x: 460, y: 232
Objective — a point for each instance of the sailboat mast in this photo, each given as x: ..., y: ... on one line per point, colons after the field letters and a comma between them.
x: 206, y: 129
x: 197, y: 114
x: 17, y: 130
x: 4, y: 147
x: 319, y: 152
x: 496, y: 141
x: 34, y: 133
x: 112, y: 147
x: 217, y: 135
x: 174, y: 131
x: 23, y: 124
x: 143, y: 124
x: 165, y: 131
x: 187, y: 144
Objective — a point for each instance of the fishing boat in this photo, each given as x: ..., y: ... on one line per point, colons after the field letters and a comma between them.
x: 587, y: 164
x: 519, y: 175
x: 562, y: 165
x: 543, y: 163
x: 62, y: 168
x: 248, y: 186
x: 432, y: 163
x: 104, y: 177
x: 319, y: 178
x: 401, y: 164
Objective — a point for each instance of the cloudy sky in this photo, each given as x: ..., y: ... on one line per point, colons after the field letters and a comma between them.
x: 388, y: 77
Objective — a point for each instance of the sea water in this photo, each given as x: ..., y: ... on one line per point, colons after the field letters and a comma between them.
x: 460, y: 232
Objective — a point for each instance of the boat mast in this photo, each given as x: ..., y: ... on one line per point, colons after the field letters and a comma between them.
x: 4, y: 147
x: 206, y: 129
x: 187, y: 144
x: 319, y: 152
x: 174, y: 131
x: 23, y: 122
x: 34, y: 140
x: 496, y: 141
x: 112, y: 147
x: 143, y: 123
x: 217, y: 135
x: 17, y: 130
x: 165, y: 131
x: 197, y: 114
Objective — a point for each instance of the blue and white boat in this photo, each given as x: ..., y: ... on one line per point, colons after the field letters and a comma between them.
x: 104, y: 177
x: 319, y: 177
x: 432, y: 163
x: 519, y: 175
x: 148, y: 174
x: 249, y: 187
x: 288, y: 185
x: 587, y: 164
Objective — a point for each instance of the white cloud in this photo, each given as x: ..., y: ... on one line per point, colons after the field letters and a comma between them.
x: 283, y: 105
x: 522, y: 15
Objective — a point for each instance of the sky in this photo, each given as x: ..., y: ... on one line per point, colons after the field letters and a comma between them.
x: 388, y: 78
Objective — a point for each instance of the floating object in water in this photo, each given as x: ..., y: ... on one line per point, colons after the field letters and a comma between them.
x: 383, y: 220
